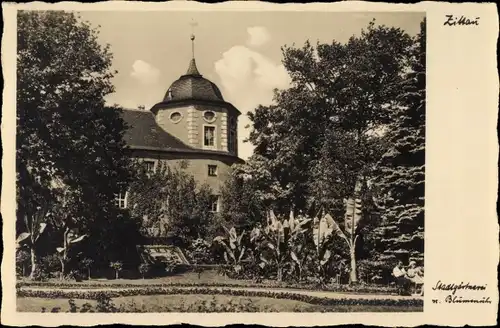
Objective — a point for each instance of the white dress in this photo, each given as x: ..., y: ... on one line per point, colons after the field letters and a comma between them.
x: 414, y: 275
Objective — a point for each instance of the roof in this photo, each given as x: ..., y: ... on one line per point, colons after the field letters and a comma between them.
x: 193, y: 86
x: 143, y: 131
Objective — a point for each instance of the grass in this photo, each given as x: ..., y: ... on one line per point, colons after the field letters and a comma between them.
x: 207, y: 277
x: 35, y: 304
x: 183, y: 303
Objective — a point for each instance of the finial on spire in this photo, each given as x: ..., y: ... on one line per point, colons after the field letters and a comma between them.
x: 193, y: 24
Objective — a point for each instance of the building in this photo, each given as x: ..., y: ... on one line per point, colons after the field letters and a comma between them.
x: 193, y: 123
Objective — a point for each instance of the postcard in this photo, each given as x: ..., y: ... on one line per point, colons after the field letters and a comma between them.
x: 315, y: 164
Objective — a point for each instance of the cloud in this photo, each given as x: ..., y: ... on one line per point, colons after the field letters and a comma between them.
x: 145, y: 73
x: 248, y: 79
x: 257, y: 36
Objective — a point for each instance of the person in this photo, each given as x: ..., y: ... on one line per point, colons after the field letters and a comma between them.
x: 415, y: 275
x: 402, y: 281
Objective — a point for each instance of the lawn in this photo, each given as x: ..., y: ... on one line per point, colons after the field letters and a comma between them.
x: 200, y: 303
x: 207, y: 277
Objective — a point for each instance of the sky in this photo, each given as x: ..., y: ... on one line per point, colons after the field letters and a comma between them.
x: 239, y: 51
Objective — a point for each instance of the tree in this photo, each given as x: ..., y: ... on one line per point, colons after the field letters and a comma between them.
x: 66, y: 134
x: 22, y: 258
x: 144, y: 269
x: 87, y: 264
x: 241, y: 205
x: 35, y: 225
x: 401, y: 170
x: 117, y: 266
x: 70, y: 237
x: 234, y: 249
x: 339, y: 92
x: 170, y: 203
x: 279, y: 242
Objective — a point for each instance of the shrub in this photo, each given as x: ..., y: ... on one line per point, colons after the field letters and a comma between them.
x: 87, y: 264
x: 144, y: 269
x: 104, y: 303
x: 74, y: 275
x: 199, y: 252
x: 117, y: 266
x: 50, y: 264
x: 40, y: 275
x: 22, y: 261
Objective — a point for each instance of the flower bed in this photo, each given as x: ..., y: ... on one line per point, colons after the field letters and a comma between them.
x: 359, y: 289
x: 324, y: 301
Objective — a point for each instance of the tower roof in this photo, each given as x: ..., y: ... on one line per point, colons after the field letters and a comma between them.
x: 192, y: 69
x: 193, y: 85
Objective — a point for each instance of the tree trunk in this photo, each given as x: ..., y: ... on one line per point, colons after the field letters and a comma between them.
x: 353, y: 276
x: 116, y: 274
x: 279, y: 273
x: 63, y: 267
x: 88, y: 273
x: 33, y: 262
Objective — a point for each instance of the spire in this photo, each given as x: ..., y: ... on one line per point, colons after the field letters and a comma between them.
x: 192, y: 44
x: 192, y: 70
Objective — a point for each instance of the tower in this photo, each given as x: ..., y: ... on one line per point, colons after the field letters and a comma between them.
x: 194, y: 110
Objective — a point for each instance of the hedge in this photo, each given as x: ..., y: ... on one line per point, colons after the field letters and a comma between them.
x: 361, y: 289
x: 324, y: 301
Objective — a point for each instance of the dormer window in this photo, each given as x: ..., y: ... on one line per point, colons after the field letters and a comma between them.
x: 209, y: 116
x: 169, y: 93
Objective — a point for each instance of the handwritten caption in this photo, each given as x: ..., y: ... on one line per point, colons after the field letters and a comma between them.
x: 451, y: 20
x: 460, y: 293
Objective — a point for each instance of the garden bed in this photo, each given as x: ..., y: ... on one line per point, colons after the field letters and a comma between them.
x: 289, y: 295
x: 200, y: 304
x: 191, y: 280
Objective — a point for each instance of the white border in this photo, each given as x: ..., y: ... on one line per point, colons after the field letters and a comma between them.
x: 461, y: 167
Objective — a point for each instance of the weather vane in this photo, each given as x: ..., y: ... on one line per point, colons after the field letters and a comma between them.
x: 193, y: 25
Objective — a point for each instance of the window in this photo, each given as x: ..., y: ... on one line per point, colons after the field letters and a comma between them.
x: 149, y: 166
x: 214, y: 206
x: 212, y: 170
x: 121, y: 198
x: 232, y: 141
x: 209, y: 116
x: 176, y: 117
x: 209, y: 136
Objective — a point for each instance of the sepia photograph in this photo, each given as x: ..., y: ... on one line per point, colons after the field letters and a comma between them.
x: 220, y: 161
